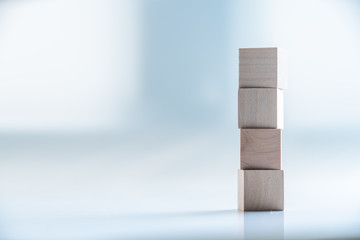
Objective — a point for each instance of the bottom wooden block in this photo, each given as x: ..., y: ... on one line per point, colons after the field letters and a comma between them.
x: 261, y: 190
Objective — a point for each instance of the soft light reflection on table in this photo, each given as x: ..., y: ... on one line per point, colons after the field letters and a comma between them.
x: 103, y: 187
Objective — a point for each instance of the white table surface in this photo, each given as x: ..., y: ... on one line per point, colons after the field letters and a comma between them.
x: 151, y: 187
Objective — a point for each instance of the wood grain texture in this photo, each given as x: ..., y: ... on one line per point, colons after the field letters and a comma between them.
x: 263, y: 68
x: 260, y: 108
x: 240, y: 191
x: 260, y: 149
x: 261, y: 190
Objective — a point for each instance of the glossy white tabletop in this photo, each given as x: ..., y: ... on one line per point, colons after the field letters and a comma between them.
x: 106, y: 187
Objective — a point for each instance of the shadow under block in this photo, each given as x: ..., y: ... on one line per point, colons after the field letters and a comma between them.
x: 263, y: 68
x: 260, y: 149
x: 260, y: 108
x: 260, y: 190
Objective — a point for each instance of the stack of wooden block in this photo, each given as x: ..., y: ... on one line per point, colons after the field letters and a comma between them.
x: 262, y: 78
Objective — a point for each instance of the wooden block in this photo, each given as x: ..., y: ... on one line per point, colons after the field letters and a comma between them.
x: 260, y: 149
x: 260, y: 190
x: 260, y: 108
x: 263, y: 68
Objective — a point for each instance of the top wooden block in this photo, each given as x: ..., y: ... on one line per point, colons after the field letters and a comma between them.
x: 262, y: 68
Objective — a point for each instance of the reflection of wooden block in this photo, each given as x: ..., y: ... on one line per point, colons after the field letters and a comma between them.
x: 260, y: 108
x: 260, y: 190
x: 270, y: 224
x: 260, y: 149
x: 263, y: 68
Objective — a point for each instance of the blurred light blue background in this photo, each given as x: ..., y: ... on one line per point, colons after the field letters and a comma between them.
x: 130, y: 107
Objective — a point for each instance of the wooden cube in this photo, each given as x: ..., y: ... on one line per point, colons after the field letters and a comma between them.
x: 260, y: 190
x: 263, y: 68
x: 260, y: 108
x: 260, y: 149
